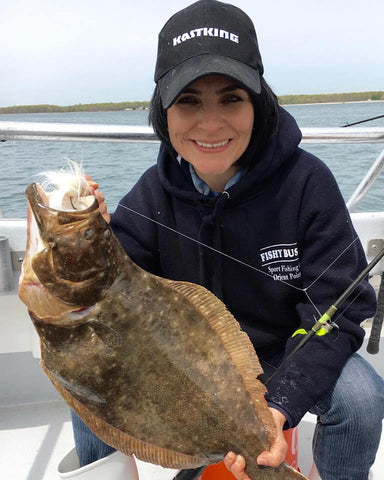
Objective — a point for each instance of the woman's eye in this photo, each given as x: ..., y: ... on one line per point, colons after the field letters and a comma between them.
x: 232, y: 99
x: 187, y: 100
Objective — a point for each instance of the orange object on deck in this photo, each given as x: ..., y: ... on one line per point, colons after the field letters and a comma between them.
x: 217, y: 472
x: 292, y: 438
x: 220, y: 472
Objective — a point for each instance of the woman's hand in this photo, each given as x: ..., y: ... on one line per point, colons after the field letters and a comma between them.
x: 93, y: 186
x: 271, y: 458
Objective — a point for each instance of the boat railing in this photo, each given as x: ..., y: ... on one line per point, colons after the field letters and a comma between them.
x: 136, y: 133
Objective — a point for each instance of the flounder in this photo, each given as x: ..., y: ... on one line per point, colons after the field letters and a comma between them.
x: 154, y: 367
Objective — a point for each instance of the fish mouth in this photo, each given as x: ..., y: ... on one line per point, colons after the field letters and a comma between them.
x: 39, y: 200
x: 41, y: 217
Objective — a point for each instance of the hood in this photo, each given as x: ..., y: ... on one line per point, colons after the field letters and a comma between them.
x: 176, y: 179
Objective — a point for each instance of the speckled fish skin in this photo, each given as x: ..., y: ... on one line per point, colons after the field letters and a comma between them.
x: 154, y: 367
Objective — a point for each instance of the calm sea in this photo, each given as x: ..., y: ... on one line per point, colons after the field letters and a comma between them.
x: 117, y: 166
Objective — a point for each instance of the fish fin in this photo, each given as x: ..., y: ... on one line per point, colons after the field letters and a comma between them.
x: 122, y: 441
x: 235, y: 341
x: 291, y: 473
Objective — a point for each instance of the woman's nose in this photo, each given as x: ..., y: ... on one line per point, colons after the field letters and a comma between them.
x: 211, y: 120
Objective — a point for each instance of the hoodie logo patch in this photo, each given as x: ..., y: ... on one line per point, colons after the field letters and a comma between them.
x: 281, y: 261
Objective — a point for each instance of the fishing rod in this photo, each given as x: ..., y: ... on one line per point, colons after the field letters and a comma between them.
x: 323, y: 325
x: 361, y: 121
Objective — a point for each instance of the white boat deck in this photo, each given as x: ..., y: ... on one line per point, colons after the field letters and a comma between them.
x: 35, y: 438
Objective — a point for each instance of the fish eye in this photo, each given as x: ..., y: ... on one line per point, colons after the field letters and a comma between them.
x: 89, y: 234
x: 51, y: 240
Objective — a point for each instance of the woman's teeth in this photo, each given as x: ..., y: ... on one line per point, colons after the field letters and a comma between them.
x: 212, y: 145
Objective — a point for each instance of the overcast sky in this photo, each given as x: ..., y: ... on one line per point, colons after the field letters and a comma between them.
x: 85, y: 51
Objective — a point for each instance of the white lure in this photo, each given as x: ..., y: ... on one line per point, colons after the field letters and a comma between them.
x: 71, y: 190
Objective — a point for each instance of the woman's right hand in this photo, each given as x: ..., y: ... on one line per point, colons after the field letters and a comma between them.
x: 270, y: 458
x: 93, y: 186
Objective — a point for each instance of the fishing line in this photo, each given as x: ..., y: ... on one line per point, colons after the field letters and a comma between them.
x: 332, y: 263
x: 304, y: 290
x: 311, y: 301
x: 339, y: 314
x: 207, y: 246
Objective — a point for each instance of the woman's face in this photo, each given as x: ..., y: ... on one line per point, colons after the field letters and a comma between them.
x: 210, y: 125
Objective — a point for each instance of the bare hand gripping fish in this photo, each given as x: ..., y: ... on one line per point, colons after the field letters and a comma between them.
x: 156, y: 368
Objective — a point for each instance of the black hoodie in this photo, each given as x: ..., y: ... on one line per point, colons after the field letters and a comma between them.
x: 288, y: 250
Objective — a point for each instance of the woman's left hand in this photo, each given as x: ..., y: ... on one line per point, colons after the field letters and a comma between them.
x: 271, y: 458
x: 93, y: 186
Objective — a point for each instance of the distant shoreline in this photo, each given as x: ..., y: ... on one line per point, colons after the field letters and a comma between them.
x: 147, y: 109
x: 284, y: 100
x: 330, y: 103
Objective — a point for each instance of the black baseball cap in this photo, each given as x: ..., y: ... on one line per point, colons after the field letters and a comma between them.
x: 207, y: 38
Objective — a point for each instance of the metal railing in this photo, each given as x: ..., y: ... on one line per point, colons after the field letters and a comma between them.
x: 72, y: 132
x: 366, y: 183
x: 137, y: 133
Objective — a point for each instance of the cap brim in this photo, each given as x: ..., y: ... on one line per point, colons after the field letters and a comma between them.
x: 173, y: 82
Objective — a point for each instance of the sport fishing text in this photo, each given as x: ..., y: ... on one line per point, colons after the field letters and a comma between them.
x: 284, y: 272
x: 205, y: 32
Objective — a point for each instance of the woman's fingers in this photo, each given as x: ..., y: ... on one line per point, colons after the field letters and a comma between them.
x: 276, y: 454
x: 102, y: 205
x: 91, y: 183
x: 236, y: 464
x: 93, y: 186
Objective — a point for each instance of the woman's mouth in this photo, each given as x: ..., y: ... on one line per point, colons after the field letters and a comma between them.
x: 211, y: 146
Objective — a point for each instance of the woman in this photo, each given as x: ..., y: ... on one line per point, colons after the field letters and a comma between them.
x: 231, y: 175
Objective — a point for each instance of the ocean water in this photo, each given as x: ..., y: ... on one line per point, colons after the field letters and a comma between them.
x: 117, y: 166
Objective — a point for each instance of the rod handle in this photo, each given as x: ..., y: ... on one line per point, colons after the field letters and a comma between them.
x: 377, y: 323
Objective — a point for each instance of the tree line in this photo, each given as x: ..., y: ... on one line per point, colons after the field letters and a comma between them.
x: 332, y: 97
x: 81, y: 107
x: 141, y: 105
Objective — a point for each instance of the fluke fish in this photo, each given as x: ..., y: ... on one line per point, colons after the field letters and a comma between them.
x: 155, y: 368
